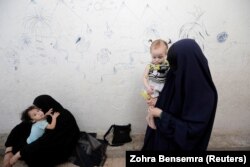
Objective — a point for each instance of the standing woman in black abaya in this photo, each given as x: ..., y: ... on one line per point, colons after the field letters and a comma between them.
x: 185, y: 110
x: 54, y: 147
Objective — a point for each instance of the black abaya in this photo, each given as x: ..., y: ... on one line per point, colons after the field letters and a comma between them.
x: 188, y: 101
x: 55, y: 146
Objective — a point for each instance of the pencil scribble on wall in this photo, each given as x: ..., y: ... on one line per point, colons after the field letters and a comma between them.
x: 129, y: 65
x: 104, y: 56
x: 26, y: 40
x: 222, y: 37
x: 105, y: 5
x: 88, y: 29
x: 38, y: 24
x: 108, y: 32
x: 13, y: 58
x: 82, y: 45
x: 195, y: 29
x: 126, y: 29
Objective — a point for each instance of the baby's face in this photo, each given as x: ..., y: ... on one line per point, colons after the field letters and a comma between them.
x: 158, y: 55
x: 36, y: 114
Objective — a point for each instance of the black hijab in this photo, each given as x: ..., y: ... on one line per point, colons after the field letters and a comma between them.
x: 188, y: 101
x: 46, y: 102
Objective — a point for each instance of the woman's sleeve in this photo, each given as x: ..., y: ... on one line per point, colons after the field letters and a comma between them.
x: 182, y: 132
x: 193, y: 123
x: 18, y: 134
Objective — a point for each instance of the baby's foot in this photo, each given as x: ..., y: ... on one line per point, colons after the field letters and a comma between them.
x: 150, y: 121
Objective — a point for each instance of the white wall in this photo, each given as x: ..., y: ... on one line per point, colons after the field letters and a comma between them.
x: 90, y: 56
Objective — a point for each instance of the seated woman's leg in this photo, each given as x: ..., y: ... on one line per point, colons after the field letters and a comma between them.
x: 7, y: 156
x: 16, y: 140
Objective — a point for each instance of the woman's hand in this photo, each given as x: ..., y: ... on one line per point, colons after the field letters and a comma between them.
x: 154, y: 111
x: 151, y: 101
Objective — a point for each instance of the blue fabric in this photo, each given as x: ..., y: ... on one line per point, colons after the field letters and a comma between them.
x: 37, y: 130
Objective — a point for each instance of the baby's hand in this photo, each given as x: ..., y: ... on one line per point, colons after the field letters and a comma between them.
x: 56, y: 114
x: 49, y: 112
x: 150, y: 90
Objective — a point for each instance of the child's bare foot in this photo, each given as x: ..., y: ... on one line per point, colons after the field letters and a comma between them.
x: 6, y: 160
x: 150, y: 121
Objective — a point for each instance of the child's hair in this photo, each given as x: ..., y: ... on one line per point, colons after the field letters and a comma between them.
x: 25, y: 114
x: 157, y: 43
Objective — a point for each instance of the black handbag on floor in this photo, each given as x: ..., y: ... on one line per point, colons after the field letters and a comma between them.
x: 121, y: 135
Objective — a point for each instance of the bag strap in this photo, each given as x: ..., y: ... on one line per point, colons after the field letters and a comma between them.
x: 107, y: 133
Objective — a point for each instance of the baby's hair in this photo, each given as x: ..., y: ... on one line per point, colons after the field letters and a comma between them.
x: 157, y: 43
x: 25, y: 114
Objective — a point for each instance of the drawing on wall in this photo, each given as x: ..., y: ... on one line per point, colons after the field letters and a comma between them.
x: 131, y: 26
x: 101, y: 47
x: 103, y: 56
x: 152, y: 31
x: 222, y: 37
x: 61, y: 53
x: 26, y: 40
x: 13, y: 58
x: 124, y: 14
x: 88, y: 29
x: 38, y: 24
x: 82, y: 45
x: 195, y: 29
x: 104, y: 5
x: 78, y: 39
x: 123, y: 66
x: 108, y: 32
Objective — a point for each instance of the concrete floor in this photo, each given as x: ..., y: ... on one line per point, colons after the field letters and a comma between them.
x: 110, y: 162
x: 116, y: 155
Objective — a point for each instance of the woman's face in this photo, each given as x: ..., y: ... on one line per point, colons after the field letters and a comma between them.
x: 36, y: 114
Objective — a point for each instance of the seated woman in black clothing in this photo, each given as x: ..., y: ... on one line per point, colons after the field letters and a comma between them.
x: 54, y: 147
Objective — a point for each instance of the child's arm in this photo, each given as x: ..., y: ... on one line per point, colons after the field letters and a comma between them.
x: 145, y: 80
x: 52, y: 125
x: 49, y: 112
x: 15, y: 158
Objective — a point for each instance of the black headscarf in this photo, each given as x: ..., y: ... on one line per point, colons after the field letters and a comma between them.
x: 188, y: 101
x: 46, y: 102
